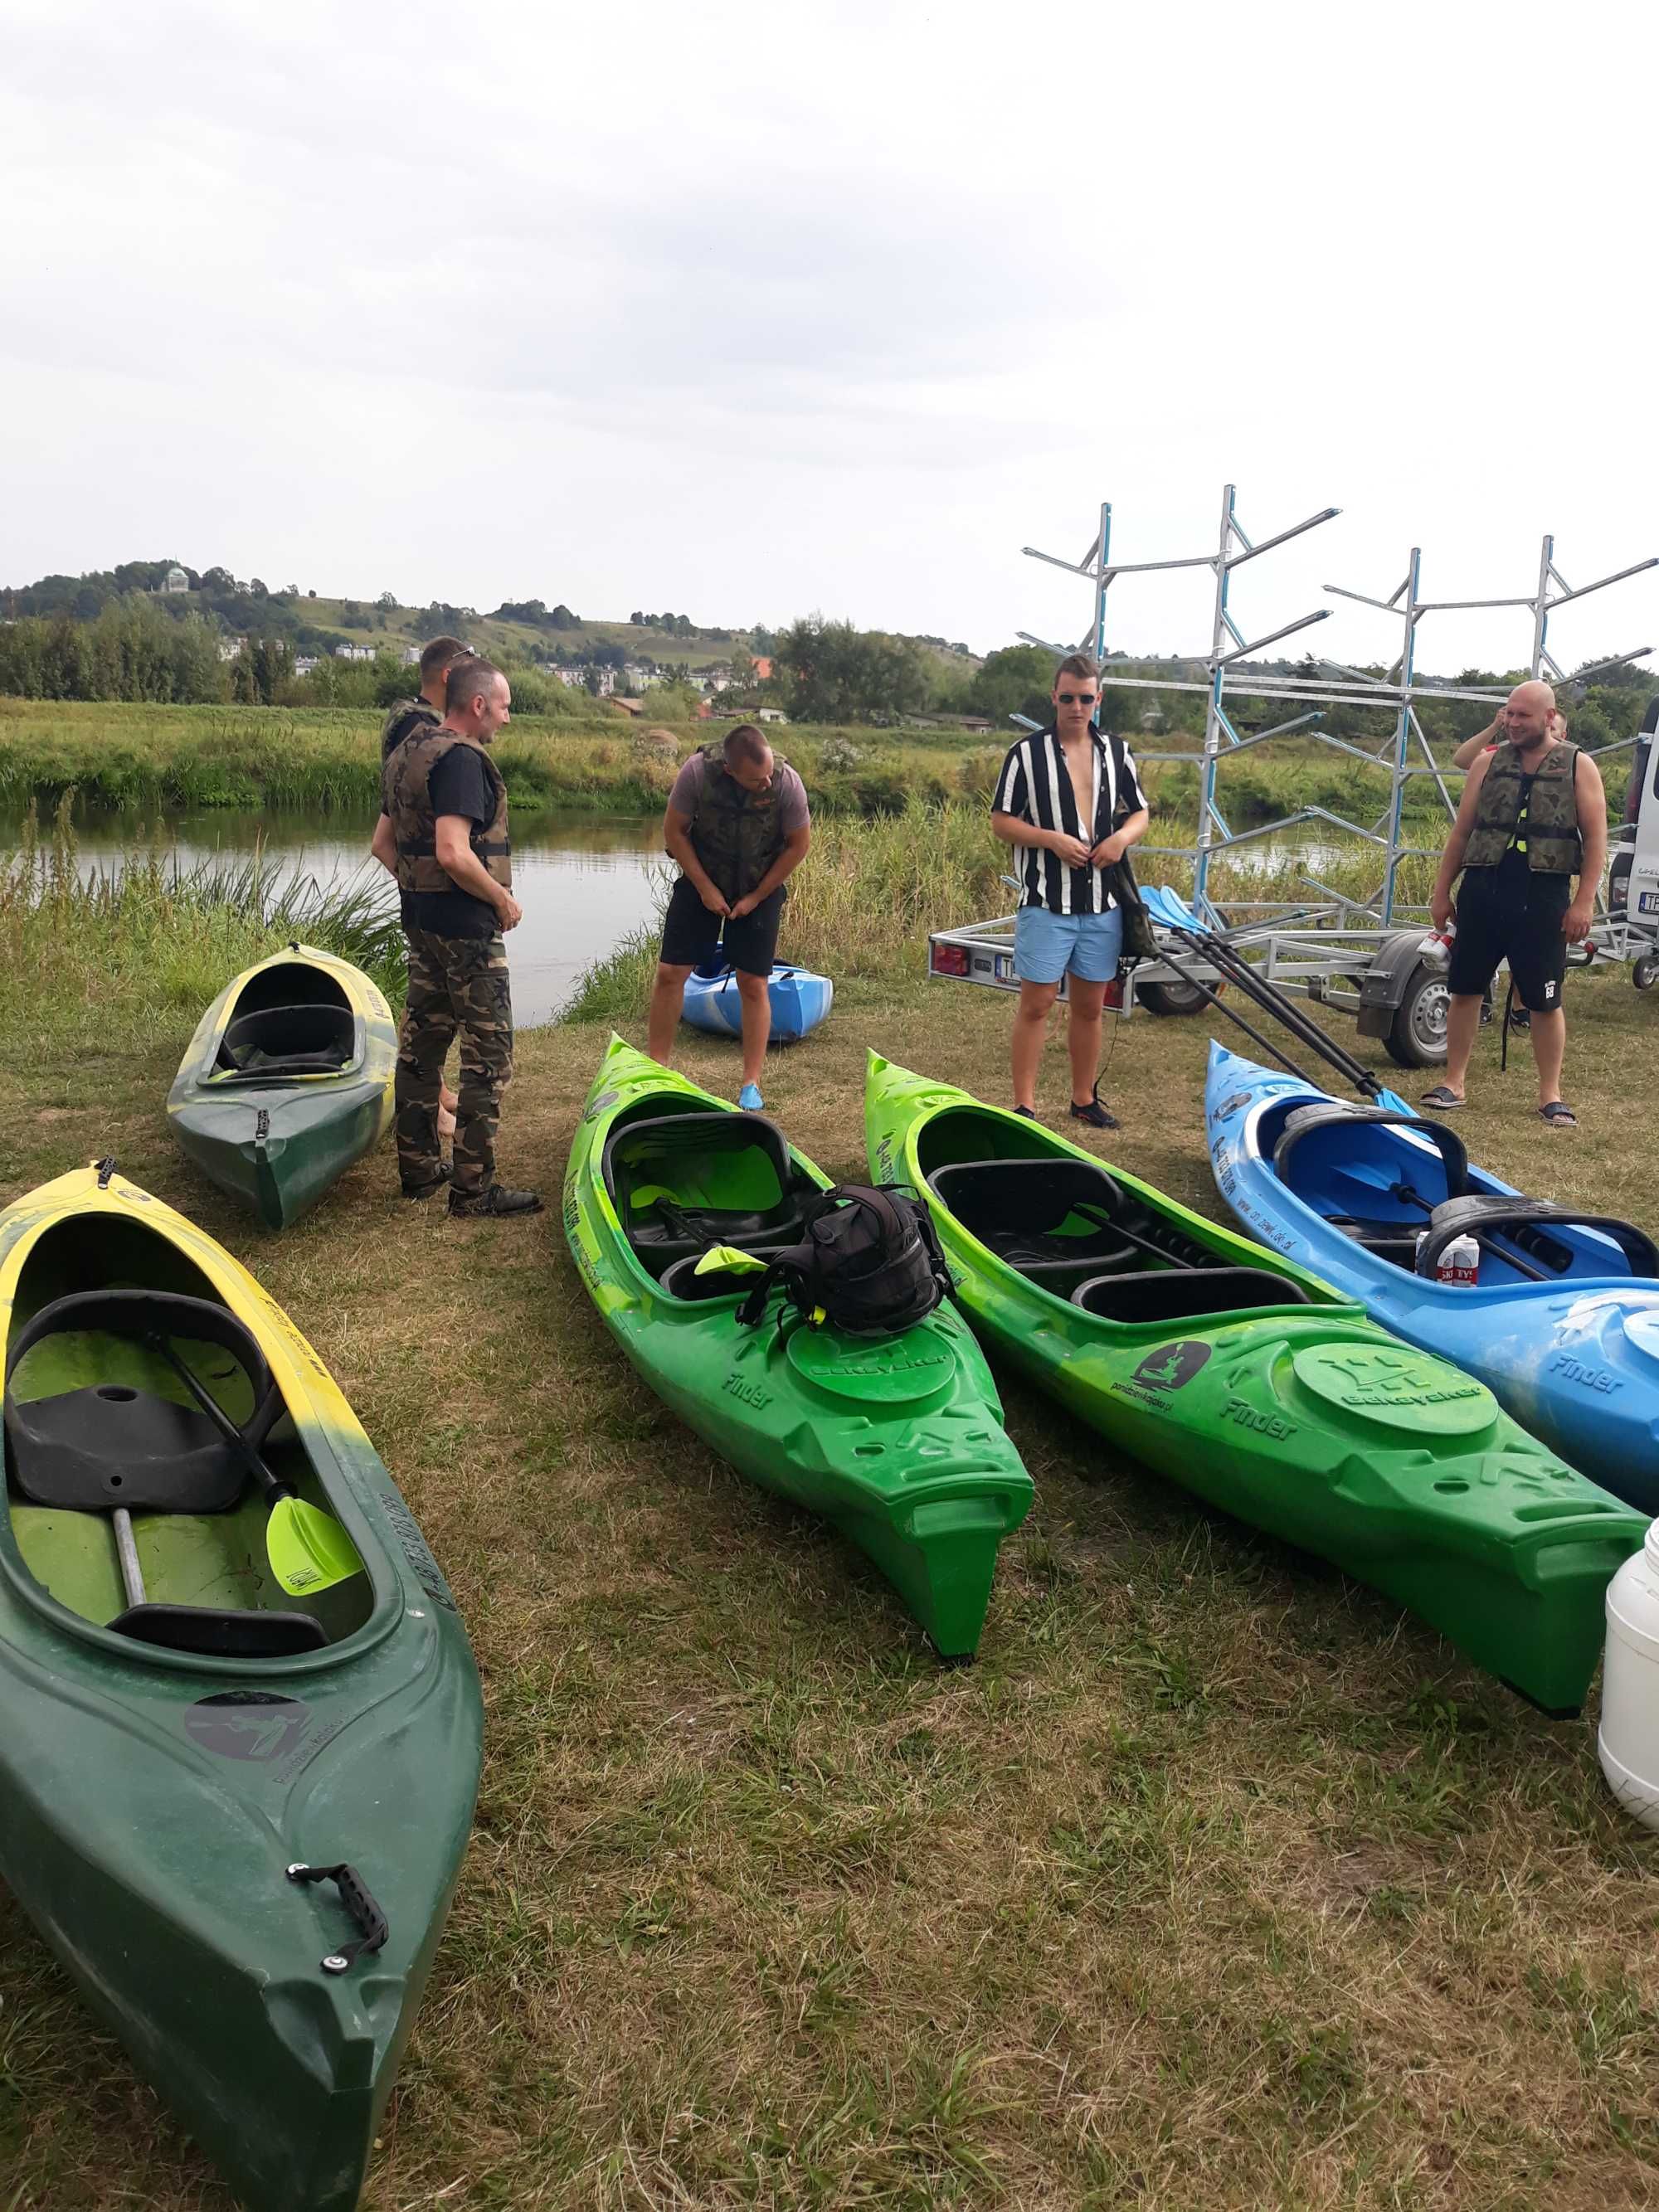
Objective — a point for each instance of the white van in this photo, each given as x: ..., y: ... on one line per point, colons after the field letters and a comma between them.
x: 1633, y: 877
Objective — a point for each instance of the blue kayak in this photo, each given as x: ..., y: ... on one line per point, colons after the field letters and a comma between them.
x: 799, y: 1000
x: 1562, y: 1321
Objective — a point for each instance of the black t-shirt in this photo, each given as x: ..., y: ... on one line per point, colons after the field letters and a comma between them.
x: 458, y: 785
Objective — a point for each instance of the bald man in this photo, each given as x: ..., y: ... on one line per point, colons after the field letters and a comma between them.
x: 1533, y: 817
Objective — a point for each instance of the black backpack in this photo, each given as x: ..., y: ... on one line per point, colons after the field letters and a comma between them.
x: 869, y: 1262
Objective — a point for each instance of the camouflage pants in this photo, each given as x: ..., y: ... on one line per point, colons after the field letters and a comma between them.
x: 455, y: 984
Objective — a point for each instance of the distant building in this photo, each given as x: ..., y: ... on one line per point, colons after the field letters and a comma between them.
x: 763, y: 668
x: 175, y: 580
x: 304, y: 663
x: 230, y: 646
x: 635, y: 677
x: 353, y: 652
x: 411, y: 656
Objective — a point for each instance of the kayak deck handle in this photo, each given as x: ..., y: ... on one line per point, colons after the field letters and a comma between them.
x: 355, y: 1897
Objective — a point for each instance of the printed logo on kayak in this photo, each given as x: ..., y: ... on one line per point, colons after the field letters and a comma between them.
x: 602, y: 1104
x: 1172, y: 1366
x: 256, y: 1724
x: 1229, y: 1107
x: 885, y: 1159
x: 1590, y: 1378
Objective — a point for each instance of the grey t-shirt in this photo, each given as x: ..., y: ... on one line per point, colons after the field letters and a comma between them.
x: 792, y: 813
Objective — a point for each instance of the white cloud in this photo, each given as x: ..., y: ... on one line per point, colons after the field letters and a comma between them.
x: 751, y: 310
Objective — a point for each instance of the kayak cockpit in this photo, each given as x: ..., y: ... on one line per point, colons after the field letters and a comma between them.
x: 1070, y: 1227
x: 1384, y: 1179
x: 683, y: 1182
x: 289, y: 1018
x: 153, y: 1476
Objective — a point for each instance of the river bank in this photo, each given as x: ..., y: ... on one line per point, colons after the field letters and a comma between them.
x: 1200, y: 1888
x: 182, y: 758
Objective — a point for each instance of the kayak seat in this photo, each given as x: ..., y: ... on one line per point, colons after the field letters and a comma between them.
x: 313, y: 1040
x: 1048, y: 1216
x: 106, y: 1444
x: 1525, y: 1224
x: 680, y: 1279
x: 683, y: 1182
x: 1186, y: 1293
x: 220, y: 1635
x: 1303, y: 1121
x: 1395, y: 1241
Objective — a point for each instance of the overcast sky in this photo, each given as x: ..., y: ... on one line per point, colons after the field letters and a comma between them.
x: 743, y: 311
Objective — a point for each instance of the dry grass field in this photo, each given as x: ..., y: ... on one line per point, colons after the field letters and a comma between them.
x: 1213, y: 1882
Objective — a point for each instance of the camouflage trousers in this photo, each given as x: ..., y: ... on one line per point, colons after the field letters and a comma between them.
x: 457, y: 985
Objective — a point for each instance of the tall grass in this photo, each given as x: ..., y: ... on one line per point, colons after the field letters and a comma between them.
x: 151, y: 938
x: 865, y: 899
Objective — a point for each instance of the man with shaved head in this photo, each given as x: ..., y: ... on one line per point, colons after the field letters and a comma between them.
x: 1533, y: 817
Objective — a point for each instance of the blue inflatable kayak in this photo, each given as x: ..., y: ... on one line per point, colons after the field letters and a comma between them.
x: 799, y: 1000
x: 1562, y: 1321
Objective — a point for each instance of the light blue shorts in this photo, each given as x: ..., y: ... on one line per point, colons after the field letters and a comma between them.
x: 1049, y: 945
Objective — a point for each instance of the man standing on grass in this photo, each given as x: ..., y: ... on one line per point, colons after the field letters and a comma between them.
x: 738, y: 824
x: 1069, y: 798
x: 404, y: 718
x: 1533, y: 815
x: 444, y: 834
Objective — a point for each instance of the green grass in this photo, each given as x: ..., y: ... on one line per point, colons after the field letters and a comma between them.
x: 1215, y: 1882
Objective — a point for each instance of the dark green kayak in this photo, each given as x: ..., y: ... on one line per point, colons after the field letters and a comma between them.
x: 1252, y: 1384
x: 898, y: 1441
x: 236, y: 1815
x: 286, y: 1081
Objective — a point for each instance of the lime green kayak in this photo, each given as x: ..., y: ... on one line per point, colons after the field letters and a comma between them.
x: 235, y: 1812
x: 286, y: 1081
x: 1254, y: 1385
x: 899, y: 1441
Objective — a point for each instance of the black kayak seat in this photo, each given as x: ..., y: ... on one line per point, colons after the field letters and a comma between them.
x: 1021, y: 1210
x: 304, y: 1040
x: 662, y: 1176
x: 106, y: 1446
x: 1172, y: 1294
x: 1527, y: 1224
x: 1301, y: 1121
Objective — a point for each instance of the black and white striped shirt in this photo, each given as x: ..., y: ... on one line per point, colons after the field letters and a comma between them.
x: 1036, y: 786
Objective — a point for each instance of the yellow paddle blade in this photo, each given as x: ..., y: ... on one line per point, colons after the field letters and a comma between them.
x: 307, y: 1548
x: 727, y: 1256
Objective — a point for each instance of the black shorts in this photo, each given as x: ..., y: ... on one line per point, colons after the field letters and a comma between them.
x: 694, y: 938
x: 1511, y: 913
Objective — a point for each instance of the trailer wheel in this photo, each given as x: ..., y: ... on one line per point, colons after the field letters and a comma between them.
x: 1416, y: 1037
x: 1645, y: 974
x: 1173, y: 997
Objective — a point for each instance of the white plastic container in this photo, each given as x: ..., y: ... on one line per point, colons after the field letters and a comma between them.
x: 1435, y: 948
x: 1628, y: 1739
x: 1459, y: 1262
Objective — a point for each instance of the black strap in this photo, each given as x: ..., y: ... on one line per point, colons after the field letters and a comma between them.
x: 1483, y: 1216
x: 1332, y: 1113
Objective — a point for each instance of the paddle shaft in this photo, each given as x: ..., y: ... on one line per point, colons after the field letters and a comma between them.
x: 274, y: 1488
x: 126, y: 1550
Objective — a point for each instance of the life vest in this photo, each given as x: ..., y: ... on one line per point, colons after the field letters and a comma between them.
x: 1550, y: 837
x: 404, y: 717
x: 406, y: 796
x: 736, y: 834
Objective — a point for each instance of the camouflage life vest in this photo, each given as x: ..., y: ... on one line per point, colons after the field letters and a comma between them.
x: 403, y: 718
x: 1549, y: 838
x: 406, y: 797
x: 736, y: 834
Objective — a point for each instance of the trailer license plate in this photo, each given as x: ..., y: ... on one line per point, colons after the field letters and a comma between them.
x: 1648, y: 903
x: 1004, y: 966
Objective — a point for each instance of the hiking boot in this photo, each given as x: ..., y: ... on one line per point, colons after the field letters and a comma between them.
x: 468, y: 1204
x: 440, y: 1182
x: 1095, y: 1115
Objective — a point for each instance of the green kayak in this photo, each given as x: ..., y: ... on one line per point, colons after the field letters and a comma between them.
x: 899, y: 1441
x: 286, y: 1082
x: 1252, y: 1384
x: 236, y: 1815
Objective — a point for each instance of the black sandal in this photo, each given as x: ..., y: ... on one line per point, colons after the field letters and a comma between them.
x: 1558, y: 1116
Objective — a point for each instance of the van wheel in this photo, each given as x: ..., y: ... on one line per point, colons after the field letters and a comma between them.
x: 1417, y: 1036
x: 1645, y: 974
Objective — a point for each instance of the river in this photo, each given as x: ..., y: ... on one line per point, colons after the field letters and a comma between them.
x: 584, y: 881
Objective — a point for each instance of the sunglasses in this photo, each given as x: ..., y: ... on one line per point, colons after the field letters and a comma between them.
x: 1077, y: 698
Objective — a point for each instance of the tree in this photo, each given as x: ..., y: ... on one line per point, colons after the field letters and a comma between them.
x: 258, y: 590
x: 561, y: 618
x: 387, y: 601
x: 1017, y: 680
x: 829, y: 671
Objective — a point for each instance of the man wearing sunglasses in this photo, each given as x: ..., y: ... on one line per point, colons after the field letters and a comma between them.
x: 1069, y: 801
